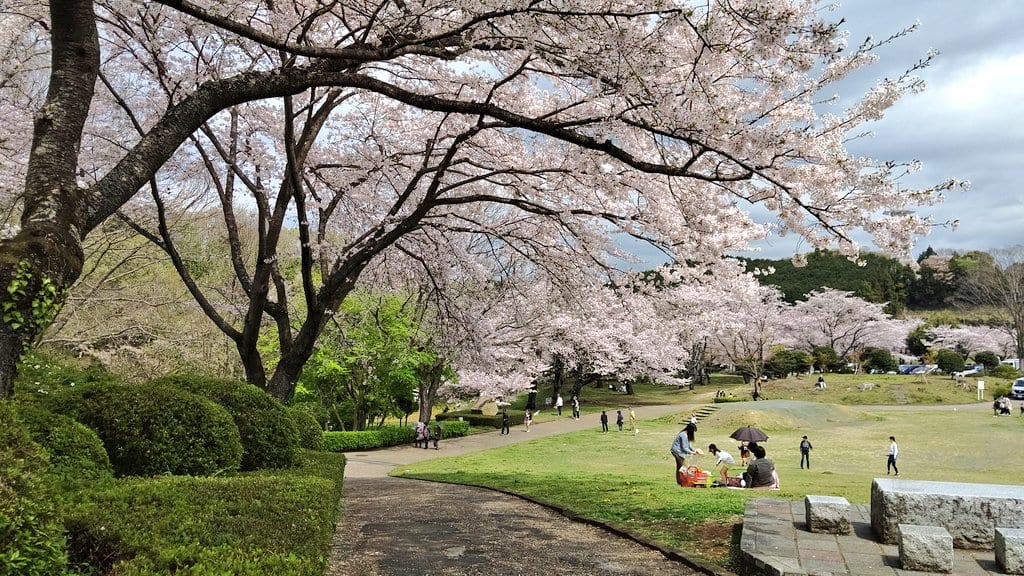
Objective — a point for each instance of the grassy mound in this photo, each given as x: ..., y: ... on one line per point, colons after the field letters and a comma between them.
x: 784, y: 415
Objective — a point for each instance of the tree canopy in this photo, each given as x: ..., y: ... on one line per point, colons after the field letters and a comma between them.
x: 486, y: 140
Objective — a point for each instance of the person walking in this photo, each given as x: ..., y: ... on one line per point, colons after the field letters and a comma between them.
x: 558, y: 404
x: 604, y: 421
x: 426, y: 435
x: 528, y: 420
x: 576, y: 406
x: 505, y: 421
x: 436, y: 433
x: 805, y: 453
x: 618, y: 419
x: 894, y: 452
x: 632, y: 421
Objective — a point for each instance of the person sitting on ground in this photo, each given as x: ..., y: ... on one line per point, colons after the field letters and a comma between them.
x: 761, y: 471
x: 724, y: 460
x: 820, y: 383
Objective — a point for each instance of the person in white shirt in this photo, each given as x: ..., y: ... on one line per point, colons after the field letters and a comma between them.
x: 724, y: 460
x: 894, y: 451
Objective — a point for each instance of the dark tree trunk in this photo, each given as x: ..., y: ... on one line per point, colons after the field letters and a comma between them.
x: 558, y: 368
x: 431, y: 377
x: 47, y: 251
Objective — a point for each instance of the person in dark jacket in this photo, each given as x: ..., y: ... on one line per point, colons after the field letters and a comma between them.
x: 760, y: 472
x: 805, y: 453
x: 604, y: 421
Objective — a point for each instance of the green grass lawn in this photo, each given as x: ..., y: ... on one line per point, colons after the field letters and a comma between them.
x: 627, y: 481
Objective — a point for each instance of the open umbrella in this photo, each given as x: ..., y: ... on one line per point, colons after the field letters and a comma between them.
x: 749, y: 434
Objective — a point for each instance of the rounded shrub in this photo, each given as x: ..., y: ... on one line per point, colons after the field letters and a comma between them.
x: 31, y: 533
x: 949, y: 361
x: 269, y: 439
x: 310, y: 434
x: 75, y: 450
x: 149, y: 430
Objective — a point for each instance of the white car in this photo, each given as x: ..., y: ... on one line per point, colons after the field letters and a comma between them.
x: 1017, y: 389
x: 973, y: 370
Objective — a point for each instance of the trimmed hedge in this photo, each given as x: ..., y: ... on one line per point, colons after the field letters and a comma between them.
x: 269, y: 438
x: 31, y: 532
x: 727, y: 399
x: 386, y: 436
x: 516, y: 417
x: 267, y: 523
x: 149, y: 430
x: 75, y: 450
x: 310, y: 433
x: 368, y: 439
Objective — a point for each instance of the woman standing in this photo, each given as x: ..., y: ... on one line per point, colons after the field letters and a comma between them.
x: 894, y: 451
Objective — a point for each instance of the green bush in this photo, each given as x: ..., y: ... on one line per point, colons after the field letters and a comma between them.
x: 516, y: 417
x: 453, y: 428
x: 315, y: 409
x: 41, y: 374
x: 31, y: 533
x: 368, y: 439
x: 310, y: 433
x: 149, y: 430
x: 75, y: 450
x: 271, y: 522
x: 987, y: 359
x: 1003, y: 371
x: 269, y: 438
x: 724, y: 399
x: 949, y: 361
x: 387, y: 436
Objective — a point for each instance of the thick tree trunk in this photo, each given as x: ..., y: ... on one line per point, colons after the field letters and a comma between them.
x: 45, y: 257
x: 431, y: 377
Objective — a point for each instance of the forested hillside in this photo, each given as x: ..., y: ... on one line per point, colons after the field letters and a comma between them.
x: 880, y: 279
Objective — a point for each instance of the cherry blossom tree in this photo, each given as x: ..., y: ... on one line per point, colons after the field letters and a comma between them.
x: 970, y: 339
x: 543, y: 129
x: 752, y: 323
x: 843, y: 322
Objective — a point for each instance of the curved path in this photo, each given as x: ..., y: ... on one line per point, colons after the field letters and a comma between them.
x: 397, y: 527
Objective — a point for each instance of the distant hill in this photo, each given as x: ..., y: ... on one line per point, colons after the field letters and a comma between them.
x: 881, y: 279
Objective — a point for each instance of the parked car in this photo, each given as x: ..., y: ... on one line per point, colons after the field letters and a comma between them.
x: 969, y: 371
x: 1017, y: 389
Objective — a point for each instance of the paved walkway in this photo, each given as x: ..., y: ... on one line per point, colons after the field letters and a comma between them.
x: 775, y: 539
x: 397, y: 527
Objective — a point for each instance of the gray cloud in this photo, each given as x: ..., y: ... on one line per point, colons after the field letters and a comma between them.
x: 968, y: 124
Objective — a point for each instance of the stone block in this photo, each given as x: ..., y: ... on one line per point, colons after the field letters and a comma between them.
x: 827, y: 514
x: 925, y: 548
x: 970, y: 512
x: 1010, y: 550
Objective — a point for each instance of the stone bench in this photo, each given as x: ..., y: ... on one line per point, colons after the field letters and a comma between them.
x: 827, y: 514
x: 1010, y: 550
x: 925, y: 548
x: 969, y: 512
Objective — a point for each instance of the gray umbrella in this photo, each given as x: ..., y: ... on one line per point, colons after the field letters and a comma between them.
x: 749, y: 434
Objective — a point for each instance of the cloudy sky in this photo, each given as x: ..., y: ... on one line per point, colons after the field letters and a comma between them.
x: 968, y: 124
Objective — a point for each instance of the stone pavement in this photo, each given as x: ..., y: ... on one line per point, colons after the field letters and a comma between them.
x: 402, y: 527
x: 775, y: 540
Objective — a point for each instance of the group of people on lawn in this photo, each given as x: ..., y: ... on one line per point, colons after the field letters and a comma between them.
x: 760, y: 472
